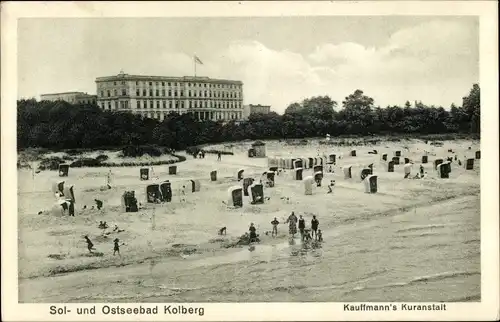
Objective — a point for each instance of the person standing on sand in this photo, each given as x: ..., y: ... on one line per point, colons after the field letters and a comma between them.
x: 116, y: 248
x: 314, y: 227
x: 90, y: 245
x: 71, y: 209
x: 302, y: 227
x: 253, y: 234
x: 275, y: 223
x: 183, y: 193
x: 292, y: 224
x: 219, y: 156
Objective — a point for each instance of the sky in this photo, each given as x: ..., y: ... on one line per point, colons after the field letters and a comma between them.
x: 281, y: 60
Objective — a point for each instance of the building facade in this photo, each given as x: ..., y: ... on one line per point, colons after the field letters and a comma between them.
x: 255, y: 108
x: 158, y: 96
x: 70, y: 97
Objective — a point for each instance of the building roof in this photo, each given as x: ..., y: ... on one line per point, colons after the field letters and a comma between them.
x: 67, y: 93
x: 167, y: 78
x: 258, y: 143
x: 258, y: 105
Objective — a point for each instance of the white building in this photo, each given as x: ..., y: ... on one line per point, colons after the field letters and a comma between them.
x: 157, y: 96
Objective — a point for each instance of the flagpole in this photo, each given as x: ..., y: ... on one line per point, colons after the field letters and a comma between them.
x: 194, y: 61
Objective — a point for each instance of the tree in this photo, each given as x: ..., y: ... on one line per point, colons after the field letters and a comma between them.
x: 472, y: 106
x: 293, y: 108
x: 358, y: 112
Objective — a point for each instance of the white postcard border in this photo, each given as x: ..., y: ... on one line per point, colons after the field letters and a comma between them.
x: 487, y: 309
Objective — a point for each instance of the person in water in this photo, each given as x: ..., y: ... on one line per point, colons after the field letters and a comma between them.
x: 90, y: 245
x: 320, y: 235
x: 275, y: 223
x: 253, y: 233
x: 292, y: 224
x: 302, y: 226
x: 314, y: 227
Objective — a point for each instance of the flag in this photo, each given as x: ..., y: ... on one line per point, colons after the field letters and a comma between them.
x: 197, y: 60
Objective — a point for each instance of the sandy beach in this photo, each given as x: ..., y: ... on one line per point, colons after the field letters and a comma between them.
x: 413, y: 240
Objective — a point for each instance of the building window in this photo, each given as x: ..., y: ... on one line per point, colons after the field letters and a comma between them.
x: 136, y: 82
x: 114, y: 83
x: 157, y: 104
x: 170, y: 104
x: 190, y: 104
x: 145, y: 104
x: 138, y: 92
x: 163, y: 92
x: 175, y: 93
x: 169, y: 93
x: 109, y: 105
x: 102, y: 93
x: 182, y: 93
x: 164, y: 104
x: 157, y: 92
x: 176, y: 104
x: 138, y: 104
x: 151, y: 104
x: 116, y: 105
x: 143, y: 92
x: 150, y: 83
x: 124, y: 92
x: 168, y: 83
x: 162, y: 83
x: 109, y: 93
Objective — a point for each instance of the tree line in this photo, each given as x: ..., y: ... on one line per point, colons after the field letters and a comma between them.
x: 61, y: 125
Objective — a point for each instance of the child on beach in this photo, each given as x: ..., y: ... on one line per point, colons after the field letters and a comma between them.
x: 90, y: 245
x: 98, y: 204
x: 116, y: 248
x: 183, y: 193
x: 253, y: 233
x: 275, y: 223
x: 319, y: 235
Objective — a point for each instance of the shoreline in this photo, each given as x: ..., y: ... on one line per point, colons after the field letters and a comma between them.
x: 215, y: 246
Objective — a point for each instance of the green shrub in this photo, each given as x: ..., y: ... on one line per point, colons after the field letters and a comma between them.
x: 102, y: 158
x: 134, y: 151
x: 86, y: 162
